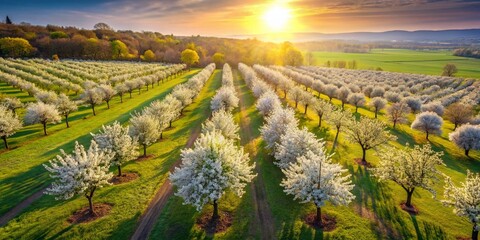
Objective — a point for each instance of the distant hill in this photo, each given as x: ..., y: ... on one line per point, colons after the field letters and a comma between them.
x: 440, y: 36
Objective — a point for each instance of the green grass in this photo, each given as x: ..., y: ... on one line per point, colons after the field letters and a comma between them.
x: 407, y: 61
x: 21, y: 172
x: 46, y: 218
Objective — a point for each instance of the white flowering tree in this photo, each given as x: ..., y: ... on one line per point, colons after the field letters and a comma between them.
x: 377, y: 103
x: 116, y: 139
x: 267, y: 103
x: 322, y: 108
x: 212, y: 167
x: 184, y: 95
x: 9, y: 124
x: 225, y: 98
x: 42, y: 113
x: 277, y: 124
x: 121, y: 89
x: 295, y: 143
x: 65, y: 106
x: 313, y: 178
x: 222, y: 122
x: 357, y: 100
x: 82, y: 172
x: 368, y: 133
x: 465, y: 200
x: 342, y: 94
x: 46, y: 97
x: 92, y: 97
x: 107, y: 92
x: 467, y: 137
x: 144, y: 128
x: 339, y: 118
x: 428, y: 122
x: 410, y: 168
x: 12, y: 103
x: 397, y: 113
x: 413, y: 103
x: 435, y: 107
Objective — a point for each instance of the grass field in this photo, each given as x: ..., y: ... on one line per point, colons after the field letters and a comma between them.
x: 407, y: 61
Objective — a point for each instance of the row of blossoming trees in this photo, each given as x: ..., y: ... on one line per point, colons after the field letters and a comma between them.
x: 85, y: 171
x: 429, y: 97
x: 50, y: 106
x: 216, y: 163
x: 302, y: 157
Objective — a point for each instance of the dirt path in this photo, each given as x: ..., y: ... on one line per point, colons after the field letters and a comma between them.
x: 264, y: 218
x: 149, y: 218
x: 12, y: 213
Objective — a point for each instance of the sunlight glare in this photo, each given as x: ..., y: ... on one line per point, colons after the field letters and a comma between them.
x: 276, y: 17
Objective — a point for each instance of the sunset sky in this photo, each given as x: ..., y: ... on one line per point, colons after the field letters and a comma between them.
x: 236, y: 17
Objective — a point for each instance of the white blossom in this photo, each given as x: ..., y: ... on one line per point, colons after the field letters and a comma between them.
x: 410, y: 168
x: 428, y: 122
x: 9, y: 124
x: 116, y: 139
x: 42, y: 113
x: 467, y: 137
x: 144, y: 128
x: 277, y: 124
x: 222, y: 122
x: 213, y: 166
x: 79, y: 173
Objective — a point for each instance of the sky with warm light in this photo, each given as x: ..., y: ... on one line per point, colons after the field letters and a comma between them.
x: 236, y: 17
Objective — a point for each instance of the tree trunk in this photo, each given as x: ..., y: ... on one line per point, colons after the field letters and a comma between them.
x: 455, y: 126
x: 466, y: 152
x: 306, y: 107
x: 427, y: 136
x: 130, y: 94
x: 45, y: 128
x: 119, y: 170
x: 319, y: 121
x: 409, y: 198
x: 474, y: 232
x: 121, y: 98
x: 318, y: 218
x: 394, y: 124
x: 108, y: 104
x: 296, y: 104
x: 66, y: 120
x: 170, y: 124
x: 356, y: 109
x: 5, y: 141
x: 147, y: 87
x: 336, y: 138
x: 376, y: 112
x: 215, y: 210
x: 90, y: 203
x: 161, y: 135
x: 93, y: 109
x: 144, y: 150
x: 364, y: 159
x: 343, y: 105
x: 139, y: 90
x: 285, y: 94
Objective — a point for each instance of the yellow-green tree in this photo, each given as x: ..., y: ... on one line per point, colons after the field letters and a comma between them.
x: 119, y: 49
x: 218, y: 59
x: 148, y: 56
x: 15, y: 47
x: 189, y: 57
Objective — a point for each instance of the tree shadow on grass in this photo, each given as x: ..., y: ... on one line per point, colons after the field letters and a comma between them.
x: 430, y: 231
x: 375, y: 196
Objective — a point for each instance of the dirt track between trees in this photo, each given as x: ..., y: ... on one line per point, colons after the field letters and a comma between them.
x: 263, y: 213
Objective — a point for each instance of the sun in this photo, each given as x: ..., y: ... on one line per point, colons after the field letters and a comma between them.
x: 276, y: 17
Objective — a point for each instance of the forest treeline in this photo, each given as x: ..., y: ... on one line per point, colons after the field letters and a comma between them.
x: 105, y: 43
